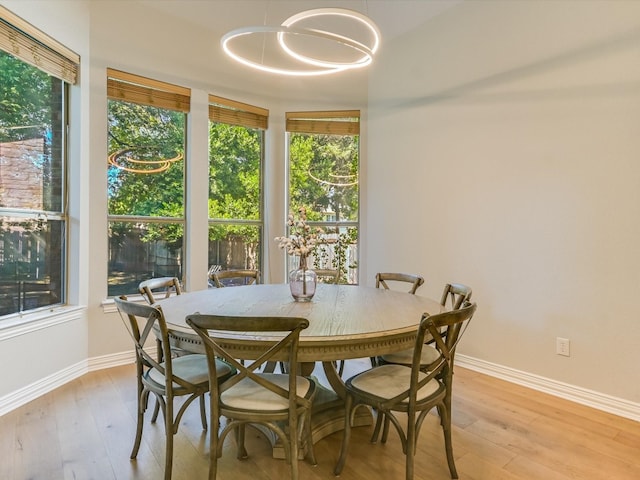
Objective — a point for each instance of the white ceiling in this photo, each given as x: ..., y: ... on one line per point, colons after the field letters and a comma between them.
x: 393, y: 18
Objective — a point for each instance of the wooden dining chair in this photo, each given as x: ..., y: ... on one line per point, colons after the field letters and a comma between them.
x: 453, y: 296
x: 226, y: 278
x: 162, y: 287
x: 185, y: 376
x: 387, y: 279
x: 278, y: 401
x: 154, y: 289
x: 414, y: 391
x: 327, y: 275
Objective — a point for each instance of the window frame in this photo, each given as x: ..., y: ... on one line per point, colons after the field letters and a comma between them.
x: 136, y: 89
x: 33, y: 47
x: 332, y: 122
x: 235, y: 113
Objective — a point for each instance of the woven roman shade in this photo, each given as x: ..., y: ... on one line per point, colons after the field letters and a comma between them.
x: 27, y: 43
x: 340, y: 122
x: 146, y: 91
x: 241, y: 114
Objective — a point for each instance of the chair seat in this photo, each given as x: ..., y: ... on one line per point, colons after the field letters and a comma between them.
x: 405, y: 357
x: 192, y: 368
x: 248, y: 395
x: 387, y: 381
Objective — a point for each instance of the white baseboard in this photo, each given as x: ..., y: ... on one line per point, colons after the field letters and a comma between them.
x: 31, y: 392
x: 583, y: 396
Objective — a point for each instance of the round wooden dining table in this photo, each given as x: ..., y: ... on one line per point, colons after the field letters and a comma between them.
x: 345, y: 322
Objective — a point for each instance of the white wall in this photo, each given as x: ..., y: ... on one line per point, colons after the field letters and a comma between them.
x: 40, y: 351
x: 511, y: 132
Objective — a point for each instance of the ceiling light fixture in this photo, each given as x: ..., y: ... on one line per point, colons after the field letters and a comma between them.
x: 311, y: 64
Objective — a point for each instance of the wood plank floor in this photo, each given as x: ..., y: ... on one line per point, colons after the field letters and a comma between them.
x: 85, y: 429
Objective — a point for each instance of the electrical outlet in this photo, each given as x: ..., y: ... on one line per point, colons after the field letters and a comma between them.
x: 563, y: 346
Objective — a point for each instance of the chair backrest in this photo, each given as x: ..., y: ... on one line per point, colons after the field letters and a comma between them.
x: 382, y: 279
x: 145, y: 322
x: 227, y: 278
x: 452, y: 322
x: 284, y: 349
x: 163, y: 287
x: 326, y: 275
x: 454, y: 295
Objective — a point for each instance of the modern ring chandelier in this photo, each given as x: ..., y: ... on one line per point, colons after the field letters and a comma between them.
x: 144, y: 162
x: 359, y: 52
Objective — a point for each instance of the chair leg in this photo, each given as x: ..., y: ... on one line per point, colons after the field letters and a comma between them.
x: 156, y: 410
x: 376, y: 430
x: 169, y: 433
x: 239, y: 433
x: 445, y: 420
x: 142, y: 396
x: 203, y: 413
x: 385, y: 430
x: 213, y: 444
x: 293, y: 446
x: 346, y: 435
x: 308, y: 440
x: 410, y: 447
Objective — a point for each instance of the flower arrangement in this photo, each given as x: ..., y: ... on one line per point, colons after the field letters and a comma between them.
x: 302, y: 238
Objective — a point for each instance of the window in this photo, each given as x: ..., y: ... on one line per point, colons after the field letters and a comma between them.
x: 323, y: 178
x: 146, y: 180
x: 35, y: 72
x: 236, y: 145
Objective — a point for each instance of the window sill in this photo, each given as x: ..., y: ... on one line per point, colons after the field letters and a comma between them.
x: 109, y: 305
x: 23, y: 323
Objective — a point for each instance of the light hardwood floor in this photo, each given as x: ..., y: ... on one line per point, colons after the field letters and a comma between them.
x: 85, y: 429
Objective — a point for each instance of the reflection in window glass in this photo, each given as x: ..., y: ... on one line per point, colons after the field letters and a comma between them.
x: 138, y: 251
x: 235, y: 197
x: 32, y: 217
x: 323, y: 178
x: 145, y: 194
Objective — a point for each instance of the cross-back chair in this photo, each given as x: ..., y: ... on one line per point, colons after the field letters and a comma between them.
x: 154, y: 289
x: 173, y: 377
x: 387, y: 279
x: 453, y: 296
x: 326, y: 275
x: 162, y: 287
x: 390, y: 388
x: 225, y: 278
x: 269, y: 399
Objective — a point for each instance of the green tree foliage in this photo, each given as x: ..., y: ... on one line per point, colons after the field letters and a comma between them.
x: 235, y: 157
x: 323, y: 172
x: 149, y: 134
x: 323, y: 178
x: 25, y: 91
